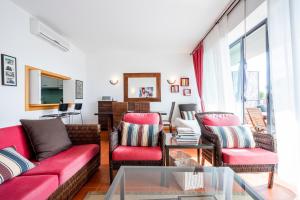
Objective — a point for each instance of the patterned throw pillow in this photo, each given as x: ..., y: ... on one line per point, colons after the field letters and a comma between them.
x: 188, y: 115
x: 234, y: 136
x: 12, y: 164
x: 140, y: 134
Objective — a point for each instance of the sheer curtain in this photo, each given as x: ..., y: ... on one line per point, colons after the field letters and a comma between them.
x: 283, y: 24
x: 217, y: 83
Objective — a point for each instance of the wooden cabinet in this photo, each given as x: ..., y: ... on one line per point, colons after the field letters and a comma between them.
x: 105, y: 114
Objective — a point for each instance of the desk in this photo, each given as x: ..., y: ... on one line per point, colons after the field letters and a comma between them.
x: 105, y: 119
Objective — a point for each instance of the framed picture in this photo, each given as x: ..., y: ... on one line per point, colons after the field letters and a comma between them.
x: 9, y: 70
x: 79, y: 89
x: 174, y: 88
x: 184, y: 82
x: 187, y: 92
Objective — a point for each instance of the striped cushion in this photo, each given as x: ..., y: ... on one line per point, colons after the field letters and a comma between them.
x: 234, y: 136
x: 12, y: 164
x: 140, y: 134
x: 188, y: 115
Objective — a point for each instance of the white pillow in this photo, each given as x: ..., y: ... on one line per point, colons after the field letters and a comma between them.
x: 192, y: 124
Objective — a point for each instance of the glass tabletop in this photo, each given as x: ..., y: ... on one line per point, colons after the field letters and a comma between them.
x: 179, y: 183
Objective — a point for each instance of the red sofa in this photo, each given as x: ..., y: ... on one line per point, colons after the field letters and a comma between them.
x: 58, y: 177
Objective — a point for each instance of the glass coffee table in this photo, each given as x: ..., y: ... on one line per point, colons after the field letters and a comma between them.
x: 179, y: 183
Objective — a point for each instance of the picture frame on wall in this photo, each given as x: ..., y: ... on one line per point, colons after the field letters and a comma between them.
x: 187, y: 92
x: 184, y: 81
x: 174, y: 88
x: 78, y: 89
x: 8, y: 70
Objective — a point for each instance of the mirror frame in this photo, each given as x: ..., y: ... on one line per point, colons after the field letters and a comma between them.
x: 126, y: 76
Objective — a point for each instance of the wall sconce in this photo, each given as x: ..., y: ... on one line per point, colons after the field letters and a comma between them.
x: 171, y: 81
x: 114, y: 81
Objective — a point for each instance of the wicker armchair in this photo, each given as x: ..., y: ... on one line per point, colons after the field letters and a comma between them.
x: 188, y: 107
x: 115, y: 141
x: 263, y: 141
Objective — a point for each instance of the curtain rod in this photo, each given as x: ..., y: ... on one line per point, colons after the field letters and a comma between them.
x: 226, y: 11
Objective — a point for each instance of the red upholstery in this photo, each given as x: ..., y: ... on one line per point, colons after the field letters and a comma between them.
x: 142, y: 118
x: 29, y: 187
x: 66, y: 163
x: 137, y: 153
x: 248, y: 156
x: 221, y: 120
x: 14, y: 136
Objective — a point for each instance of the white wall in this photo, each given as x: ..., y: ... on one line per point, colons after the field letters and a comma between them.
x: 16, y: 40
x: 103, y: 66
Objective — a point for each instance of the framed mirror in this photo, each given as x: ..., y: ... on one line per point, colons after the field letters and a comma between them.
x: 142, y: 87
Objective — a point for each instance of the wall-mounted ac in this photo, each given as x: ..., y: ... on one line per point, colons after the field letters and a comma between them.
x: 41, y: 30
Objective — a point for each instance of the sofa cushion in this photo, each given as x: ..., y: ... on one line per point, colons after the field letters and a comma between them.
x: 142, y: 118
x: 47, y: 137
x: 140, y: 134
x: 29, y: 187
x: 15, y: 136
x: 234, y: 136
x: 136, y: 153
x: 221, y: 120
x: 66, y: 163
x: 12, y: 164
x: 248, y: 156
x: 188, y: 115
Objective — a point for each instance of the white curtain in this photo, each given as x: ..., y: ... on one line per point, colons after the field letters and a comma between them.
x: 217, y: 81
x: 283, y: 29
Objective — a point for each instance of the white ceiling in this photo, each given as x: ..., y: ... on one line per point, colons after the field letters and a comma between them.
x: 128, y: 25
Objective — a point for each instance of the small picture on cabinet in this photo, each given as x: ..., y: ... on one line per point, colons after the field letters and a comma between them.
x: 9, y: 70
x: 184, y: 81
x: 187, y: 92
x: 174, y: 88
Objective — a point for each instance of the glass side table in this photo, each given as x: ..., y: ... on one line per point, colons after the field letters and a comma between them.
x: 171, y: 143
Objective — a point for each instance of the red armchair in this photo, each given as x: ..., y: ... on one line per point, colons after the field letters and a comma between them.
x: 135, y: 155
x: 262, y: 158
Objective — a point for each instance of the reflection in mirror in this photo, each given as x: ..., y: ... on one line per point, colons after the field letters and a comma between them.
x: 142, y: 87
x: 52, y: 90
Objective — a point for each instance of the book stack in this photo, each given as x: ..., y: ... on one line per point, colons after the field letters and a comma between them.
x: 187, y: 136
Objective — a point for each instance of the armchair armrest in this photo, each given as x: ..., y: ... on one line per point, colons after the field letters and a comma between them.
x: 162, y: 143
x: 84, y: 134
x: 113, y: 140
x: 209, y: 138
x: 265, y: 141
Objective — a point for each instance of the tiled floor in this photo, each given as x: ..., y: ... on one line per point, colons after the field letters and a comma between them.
x: 100, y: 181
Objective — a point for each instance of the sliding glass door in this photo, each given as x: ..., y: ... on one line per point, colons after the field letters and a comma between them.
x: 250, y: 75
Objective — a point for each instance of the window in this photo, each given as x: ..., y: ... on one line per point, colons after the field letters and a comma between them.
x: 250, y: 65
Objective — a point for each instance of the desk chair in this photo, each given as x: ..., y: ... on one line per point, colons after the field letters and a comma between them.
x: 77, y: 111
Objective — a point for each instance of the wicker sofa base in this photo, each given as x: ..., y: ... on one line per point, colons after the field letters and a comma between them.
x: 69, y: 189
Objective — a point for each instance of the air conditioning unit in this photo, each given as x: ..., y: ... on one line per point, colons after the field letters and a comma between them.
x: 41, y: 30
